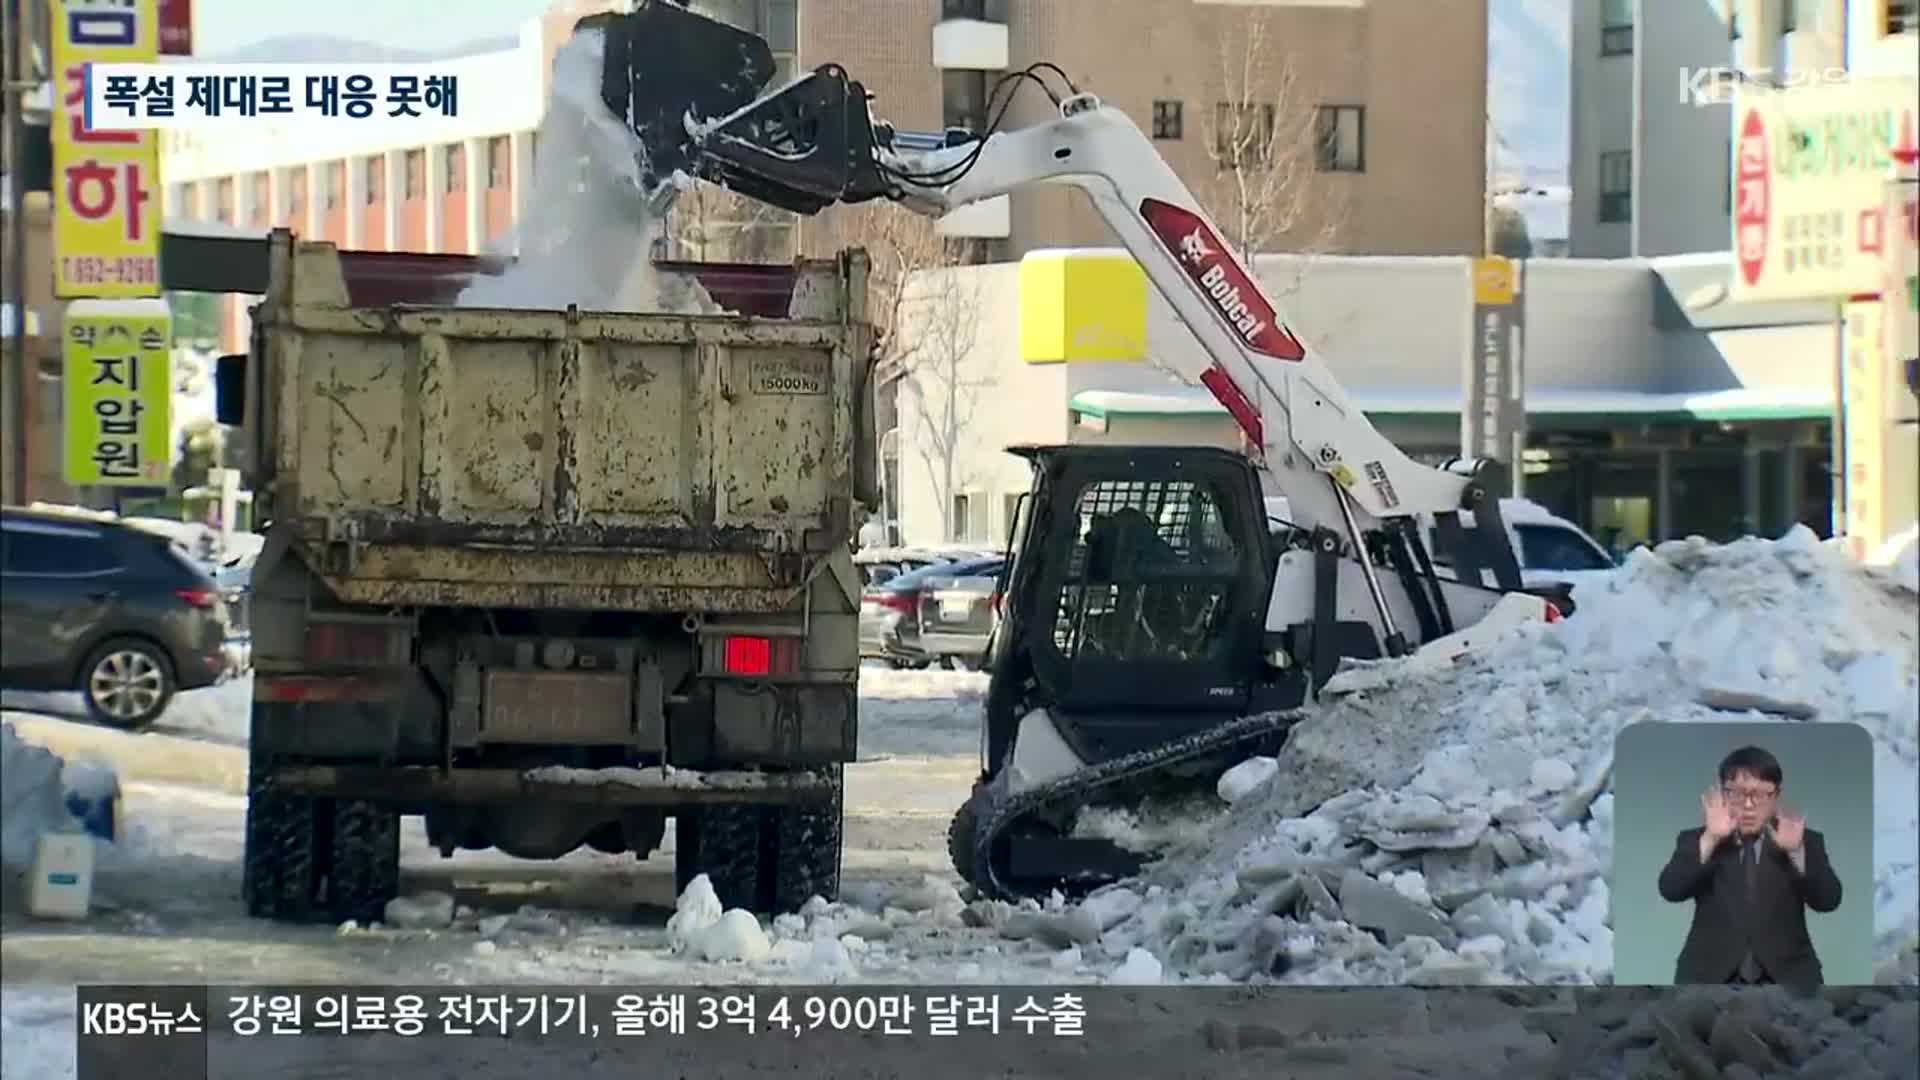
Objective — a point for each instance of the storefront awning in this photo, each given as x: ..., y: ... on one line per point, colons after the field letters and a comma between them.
x: 1744, y: 404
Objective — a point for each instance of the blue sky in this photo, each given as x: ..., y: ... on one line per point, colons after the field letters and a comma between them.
x: 224, y: 25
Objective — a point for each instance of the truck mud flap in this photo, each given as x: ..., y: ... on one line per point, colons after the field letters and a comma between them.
x: 796, y: 725
x: 599, y: 787
x: 390, y: 717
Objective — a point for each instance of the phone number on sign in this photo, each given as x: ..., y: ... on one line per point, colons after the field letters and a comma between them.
x: 96, y: 270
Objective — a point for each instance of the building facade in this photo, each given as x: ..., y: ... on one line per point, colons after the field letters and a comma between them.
x: 1383, y: 104
x: 1650, y: 154
x: 1647, y: 418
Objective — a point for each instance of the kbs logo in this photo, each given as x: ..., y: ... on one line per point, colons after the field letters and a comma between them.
x: 124, y: 1018
x: 1233, y: 294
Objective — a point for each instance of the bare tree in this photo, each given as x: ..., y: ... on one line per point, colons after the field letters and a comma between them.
x: 900, y: 244
x: 1263, y: 136
x: 939, y: 318
x: 708, y: 223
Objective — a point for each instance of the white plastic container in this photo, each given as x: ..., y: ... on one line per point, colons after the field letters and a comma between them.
x: 62, y: 886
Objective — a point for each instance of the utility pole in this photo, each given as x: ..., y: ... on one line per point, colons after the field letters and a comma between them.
x: 19, y: 83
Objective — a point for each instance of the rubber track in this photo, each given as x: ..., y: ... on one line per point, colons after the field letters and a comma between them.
x: 994, y: 810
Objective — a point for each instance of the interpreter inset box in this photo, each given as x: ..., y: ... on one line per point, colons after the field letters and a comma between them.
x: 1743, y: 854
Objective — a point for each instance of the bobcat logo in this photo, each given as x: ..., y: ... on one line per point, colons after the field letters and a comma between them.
x: 1194, y: 249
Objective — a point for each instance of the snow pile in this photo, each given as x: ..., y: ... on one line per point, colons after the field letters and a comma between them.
x: 1455, y: 825
x: 587, y: 232
x: 702, y: 928
x: 33, y: 798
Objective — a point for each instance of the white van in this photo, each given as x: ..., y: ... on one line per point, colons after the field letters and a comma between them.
x: 1550, y: 548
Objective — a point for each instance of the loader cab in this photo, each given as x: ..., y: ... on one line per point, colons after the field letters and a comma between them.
x: 1134, y: 601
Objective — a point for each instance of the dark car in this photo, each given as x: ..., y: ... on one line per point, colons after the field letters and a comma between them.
x: 124, y: 616
x: 890, y: 611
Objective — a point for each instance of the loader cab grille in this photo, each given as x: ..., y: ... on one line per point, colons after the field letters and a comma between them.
x: 1150, y: 575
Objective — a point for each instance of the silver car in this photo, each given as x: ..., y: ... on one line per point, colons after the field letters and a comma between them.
x: 958, y: 612
x: 890, y: 613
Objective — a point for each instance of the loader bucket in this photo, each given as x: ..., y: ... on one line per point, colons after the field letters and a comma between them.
x: 664, y: 64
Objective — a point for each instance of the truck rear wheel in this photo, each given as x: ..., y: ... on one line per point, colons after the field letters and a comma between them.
x: 767, y: 859
x: 311, y: 860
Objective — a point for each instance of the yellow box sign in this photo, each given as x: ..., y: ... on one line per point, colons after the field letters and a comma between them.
x: 1493, y: 280
x: 106, y: 219
x: 119, y: 386
x: 1082, y: 306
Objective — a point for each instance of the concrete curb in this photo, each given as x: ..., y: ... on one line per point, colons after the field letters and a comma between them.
x: 148, y: 758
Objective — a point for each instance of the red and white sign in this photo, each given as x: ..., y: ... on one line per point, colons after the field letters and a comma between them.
x: 1809, y: 172
x: 1219, y: 275
x: 176, y: 27
x: 1750, y: 198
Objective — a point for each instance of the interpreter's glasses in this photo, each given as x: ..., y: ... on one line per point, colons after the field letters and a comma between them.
x: 1748, y: 796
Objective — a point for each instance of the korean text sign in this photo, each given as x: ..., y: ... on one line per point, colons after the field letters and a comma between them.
x: 1810, y: 168
x: 119, y: 377
x: 147, y: 97
x: 106, y: 225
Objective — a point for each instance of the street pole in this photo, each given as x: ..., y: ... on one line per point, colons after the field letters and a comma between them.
x: 17, y: 83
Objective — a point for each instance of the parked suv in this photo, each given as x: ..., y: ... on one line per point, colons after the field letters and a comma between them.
x: 120, y: 614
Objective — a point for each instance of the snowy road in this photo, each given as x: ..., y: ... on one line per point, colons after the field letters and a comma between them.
x: 171, y: 910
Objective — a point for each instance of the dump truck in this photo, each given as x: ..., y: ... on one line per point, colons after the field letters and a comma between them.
x: 550, y: 579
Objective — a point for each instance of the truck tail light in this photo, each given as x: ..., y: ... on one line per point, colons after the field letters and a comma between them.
x: 356, y: 644
x: 758, y: 657
x: 204, y: 599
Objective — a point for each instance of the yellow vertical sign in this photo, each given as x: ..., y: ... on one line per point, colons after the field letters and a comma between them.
x: 119, y: 384
x: 106, y: 218
x: 1865, y: 422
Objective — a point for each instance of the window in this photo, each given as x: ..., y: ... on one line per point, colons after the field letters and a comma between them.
x: 499, y: 162
x: 1616, y: 187
x: 1166, y: 120
x: 376, y: 178
x: 775, y: 20
x: 1554, y: 547
x: 1789, y: 16
x: 331, y: 181
x: 1152, y: 575
x: 1242, y: 133
x: 416, y: 170
x: 1902, y: 17
x: 297, y: 191
x: 53, y: 551
x: 1733, y: 25
x: 223, y: 201
x: 1616, y: 28
x: 1341, y: 133
x: 453, y: 159
x: 262, y: 196
x: 958, y: 521
x: 963, y: 100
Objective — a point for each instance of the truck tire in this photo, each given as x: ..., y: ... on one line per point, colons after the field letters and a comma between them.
x: 769, y: 860
x: 319, y: 860
x: 800, y: 856
x: 722, y: 842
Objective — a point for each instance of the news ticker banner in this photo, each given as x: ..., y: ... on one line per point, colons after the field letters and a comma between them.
x: 106, y: 214
x: 477, y: 1032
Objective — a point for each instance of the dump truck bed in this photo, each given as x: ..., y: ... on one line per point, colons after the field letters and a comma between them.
x: 529, y: 458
